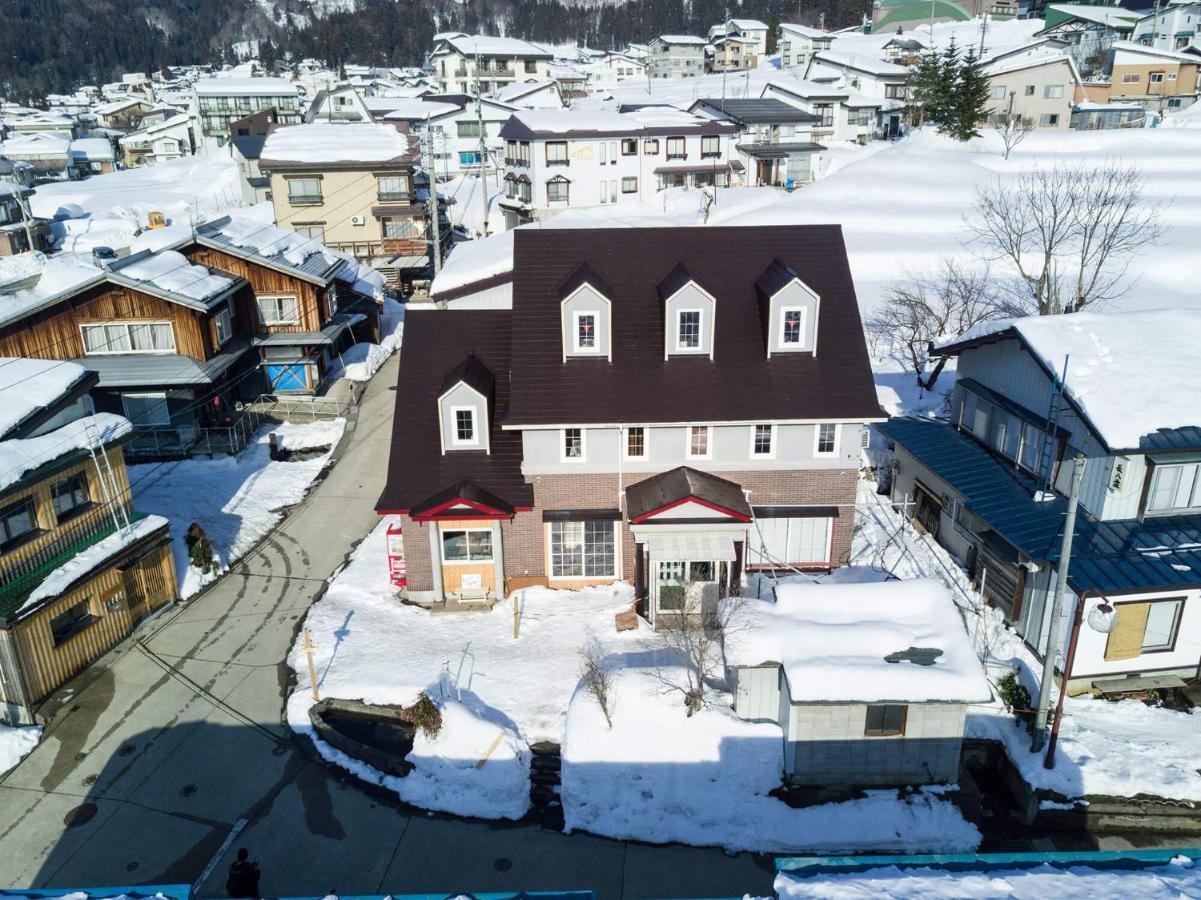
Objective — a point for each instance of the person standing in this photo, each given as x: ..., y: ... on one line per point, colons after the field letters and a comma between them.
x: 244, y: 876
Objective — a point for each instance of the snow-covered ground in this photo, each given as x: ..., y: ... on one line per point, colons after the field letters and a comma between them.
x: 1105, y: 748
x: 236, y: 499
x: 1177, y: 879
x: 15, y: 744
x: 657, y: 775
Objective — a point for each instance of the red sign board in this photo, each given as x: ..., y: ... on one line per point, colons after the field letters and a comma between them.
x: 396, y: 556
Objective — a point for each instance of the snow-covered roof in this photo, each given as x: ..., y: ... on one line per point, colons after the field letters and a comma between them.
x: 36, y: 144
x: 1120, y: 47
x: 681, y: 39
x: 863, y: 642
x: 472, y: 261
x: 487, y: 45
x: 804, y: 30
x: 170, y: 271
x: 748, y: 24
x: 566, y: 121
x: 21, y: 456
x: 1006, y: 66
x: 59, y: 276
x: 85, y: 561
x: 319, y: 142
x: 271, y: 242
x: 92, y: 148
x: 511, y: 92
x: 861, y: 62
x: 1113, y: 16
x: 412, y: 108
x: 1130, y: 373
x: 245, y: 87
x: 107, y: 109
x: 29, y: 385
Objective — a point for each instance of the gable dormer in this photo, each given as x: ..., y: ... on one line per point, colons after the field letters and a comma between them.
x: 586, y: 316
x: 789, y: 310
x: 464, y: 407
x: 689, y: 315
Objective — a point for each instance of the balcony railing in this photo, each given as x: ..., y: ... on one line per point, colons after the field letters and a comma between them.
x: 394, y: 197
x: 558, y: 162
x: 306, y: 200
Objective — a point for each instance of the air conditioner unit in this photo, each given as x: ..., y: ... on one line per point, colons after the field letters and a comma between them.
x: 358, y: 220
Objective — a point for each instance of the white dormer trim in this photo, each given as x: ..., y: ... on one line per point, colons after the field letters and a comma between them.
x: 607, y: 324
x: 817, y: 317
x: 482, y: 426
x: 668, y: 350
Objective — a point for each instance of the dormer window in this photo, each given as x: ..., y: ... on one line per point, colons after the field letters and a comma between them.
x: 689, y: 315
x: 585, y: 332
x: 463, y: 407
x: 465, y: 429
x: 585, y: 311
x: 792, y: 323
x: 789, y: 310
x: 689, y: 333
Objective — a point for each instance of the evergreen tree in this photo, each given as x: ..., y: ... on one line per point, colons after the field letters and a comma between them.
x: 970, y: 99
x: 926, y: 89
x: 948, y: 76
x: 773, y: 32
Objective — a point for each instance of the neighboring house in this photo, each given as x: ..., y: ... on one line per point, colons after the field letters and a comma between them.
x: 1040, y: 90
x: 222, y: 100
x: 340, y: 104
x: 571, y: 80
x: 91, y: 156
x: 842, y: 114
x: 879, y: 80
x: 1088, y: 116
x: 123, y: 115
x: 247, y: 149
x: 531, y: 95
x: 910, y: 15
x: 732, y: 54
x: 613, y: 68
x: 666, y: 406
x: 481, y: 64
x: 349, y: 186
x: 173, y: 138
x: 567, y: 159
x: 19, y: 230
x: 676, y: 56
x: 902, y: 50
x: 870, y: 683
x: 990, y: 483
x: 775, y: 139
x: 48, y: 154
x: 1160, y: 80
x: 798, y: 43
x: 1174, y: 26
x: 456, y: 126
x: 1089, y: 31
x: 79, y: 568
x: 46, y: 123
x: 752, y: 32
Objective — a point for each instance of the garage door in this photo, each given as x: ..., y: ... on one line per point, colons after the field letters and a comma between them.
x: 789, y: 541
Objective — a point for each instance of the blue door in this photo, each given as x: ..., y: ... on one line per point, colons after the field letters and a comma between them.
x: 290, y: 377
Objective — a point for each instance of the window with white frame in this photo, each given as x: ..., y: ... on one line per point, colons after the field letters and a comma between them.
x: 1175, y: 487
x: 688, y: 336
x: 146, y: 409
x: 467, y: 545
x: 1053, y: 92
x: 762, y: 440
x: 304, y: 191
x: 998, y: 92
x: 1163, y: 620
x: 315, y: 232
x: 1156, y: 78
x: 465, y: 431
x: 223, y: 322
x: 573, y: 444
x: 393, y: 187
x: 278, y: 310
x: 629, y: 185
x: 556, y: 153
x: 636, y: 442
x: 827, y: 439
x: 585, y: 331
x: 698, y: 442
x: 128, y: 337
x: 582, y: 550
x: 792, y: 326
x: 710, y: 146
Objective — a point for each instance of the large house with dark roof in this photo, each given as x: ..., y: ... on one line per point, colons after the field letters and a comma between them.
x: 990, y: 484
x: 661, y: 406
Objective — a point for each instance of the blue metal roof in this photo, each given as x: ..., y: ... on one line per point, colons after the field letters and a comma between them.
x: 1108, y: 557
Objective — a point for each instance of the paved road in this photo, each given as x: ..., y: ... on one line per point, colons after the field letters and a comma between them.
x: 174, y: 740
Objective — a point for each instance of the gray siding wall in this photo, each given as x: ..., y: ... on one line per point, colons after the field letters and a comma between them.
x: 730, y: 449
x: 461, y: 395
x: 826, y: 745
x: 586, y: 300
x: 757, y: 694
x: 690, y: 297
x: 908, y: 471
x: 790, y: 297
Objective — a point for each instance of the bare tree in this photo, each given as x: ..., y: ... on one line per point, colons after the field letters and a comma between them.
x: 1013, y: 131
x: 923, y: 309
x: 1070, y: 231
x: 694, y: 634
x: 596, y: 678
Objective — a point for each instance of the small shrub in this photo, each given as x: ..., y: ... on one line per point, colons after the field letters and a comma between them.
x: 200, y: 548
x: 597, y: 680
x: 1017, y: 700
x: 424, y: 714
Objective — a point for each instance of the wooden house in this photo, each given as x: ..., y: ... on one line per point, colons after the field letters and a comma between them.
x: 78, y: 567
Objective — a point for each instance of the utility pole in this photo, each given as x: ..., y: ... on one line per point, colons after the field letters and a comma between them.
x: 1055, y: 638
x: 427, y: 157
x: 479, y: 118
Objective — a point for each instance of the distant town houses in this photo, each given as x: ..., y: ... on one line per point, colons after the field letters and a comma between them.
x: 465, y: 63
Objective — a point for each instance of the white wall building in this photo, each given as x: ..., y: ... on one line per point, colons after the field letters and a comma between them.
x: 875, y: 78
x: 467, y: 63
x: 677, y: 56
x: 222, y: 100
x: 1172, y: 27
x: 456, y: 129
x: 843, y: 114
x: 797, y: 43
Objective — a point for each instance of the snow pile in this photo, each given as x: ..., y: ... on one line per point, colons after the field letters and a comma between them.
x: 84, y: 562
x: 311, y: 435
x: 16, y: 744
x: 21, y: 266
x: 471, y: 261
x: 270, y: 240
x: 237, y: 499
x: 24, y: 455
x: 1169, y: 882
x: 320, y: 142
x: 360, y: 361
x: 834, y: 641
x: 392, y: 325
x: 360, y: 276
x: 663, y: 776
x: 1110, y: 749
x: 28, y: 385
x: 169, y: 270
x: 1129, y: 371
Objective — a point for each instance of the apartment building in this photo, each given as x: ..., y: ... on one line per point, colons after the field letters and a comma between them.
x: 222, y: 100
x: 469, y: 64
x: 676, y: 56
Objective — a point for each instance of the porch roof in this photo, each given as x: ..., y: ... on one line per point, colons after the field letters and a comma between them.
x: 120, y: 370
x: 692, y: 547
x: 780, y: 151
x: 676, y: 486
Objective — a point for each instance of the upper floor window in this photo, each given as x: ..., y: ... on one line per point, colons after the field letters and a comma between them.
x: 531, y: 66
x: 556, y: 153
x: 128, y: 337
x: 763, y: 440
x: 698, y: 442
x: 558, y: 190
x: 636, y: 442
x: 468, y: 128
x: 70, y: 496
x: 1053, y: 92
x: 689, y: 334
x: 464, y: 425
x: 825, y: 112
x: 629, y: 146
x: 223, y: 323
x: 585, y: 331
x: 651, y: 147
x: 573, y: 444
x: 792, y: 325
x: 827, y: 439
x: 17, y: 520
x: 278, y: 310
x: 710, y: 146
x: 1175, y: 488
x: 304, y: 191
x: 676, y: 148
x: 393, y: 187
x: 1156, y: 78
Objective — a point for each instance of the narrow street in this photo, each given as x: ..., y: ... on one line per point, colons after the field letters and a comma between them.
x: 169, y: 753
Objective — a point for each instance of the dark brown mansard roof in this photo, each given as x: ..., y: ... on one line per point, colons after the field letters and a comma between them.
x: 439, y: 343
x: 639, y: 386
x: 668, y: 489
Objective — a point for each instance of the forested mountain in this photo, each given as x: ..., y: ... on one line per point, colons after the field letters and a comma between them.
x: 53, y: 45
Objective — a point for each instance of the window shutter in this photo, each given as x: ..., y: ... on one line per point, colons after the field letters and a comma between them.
x: 1126, y: 639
